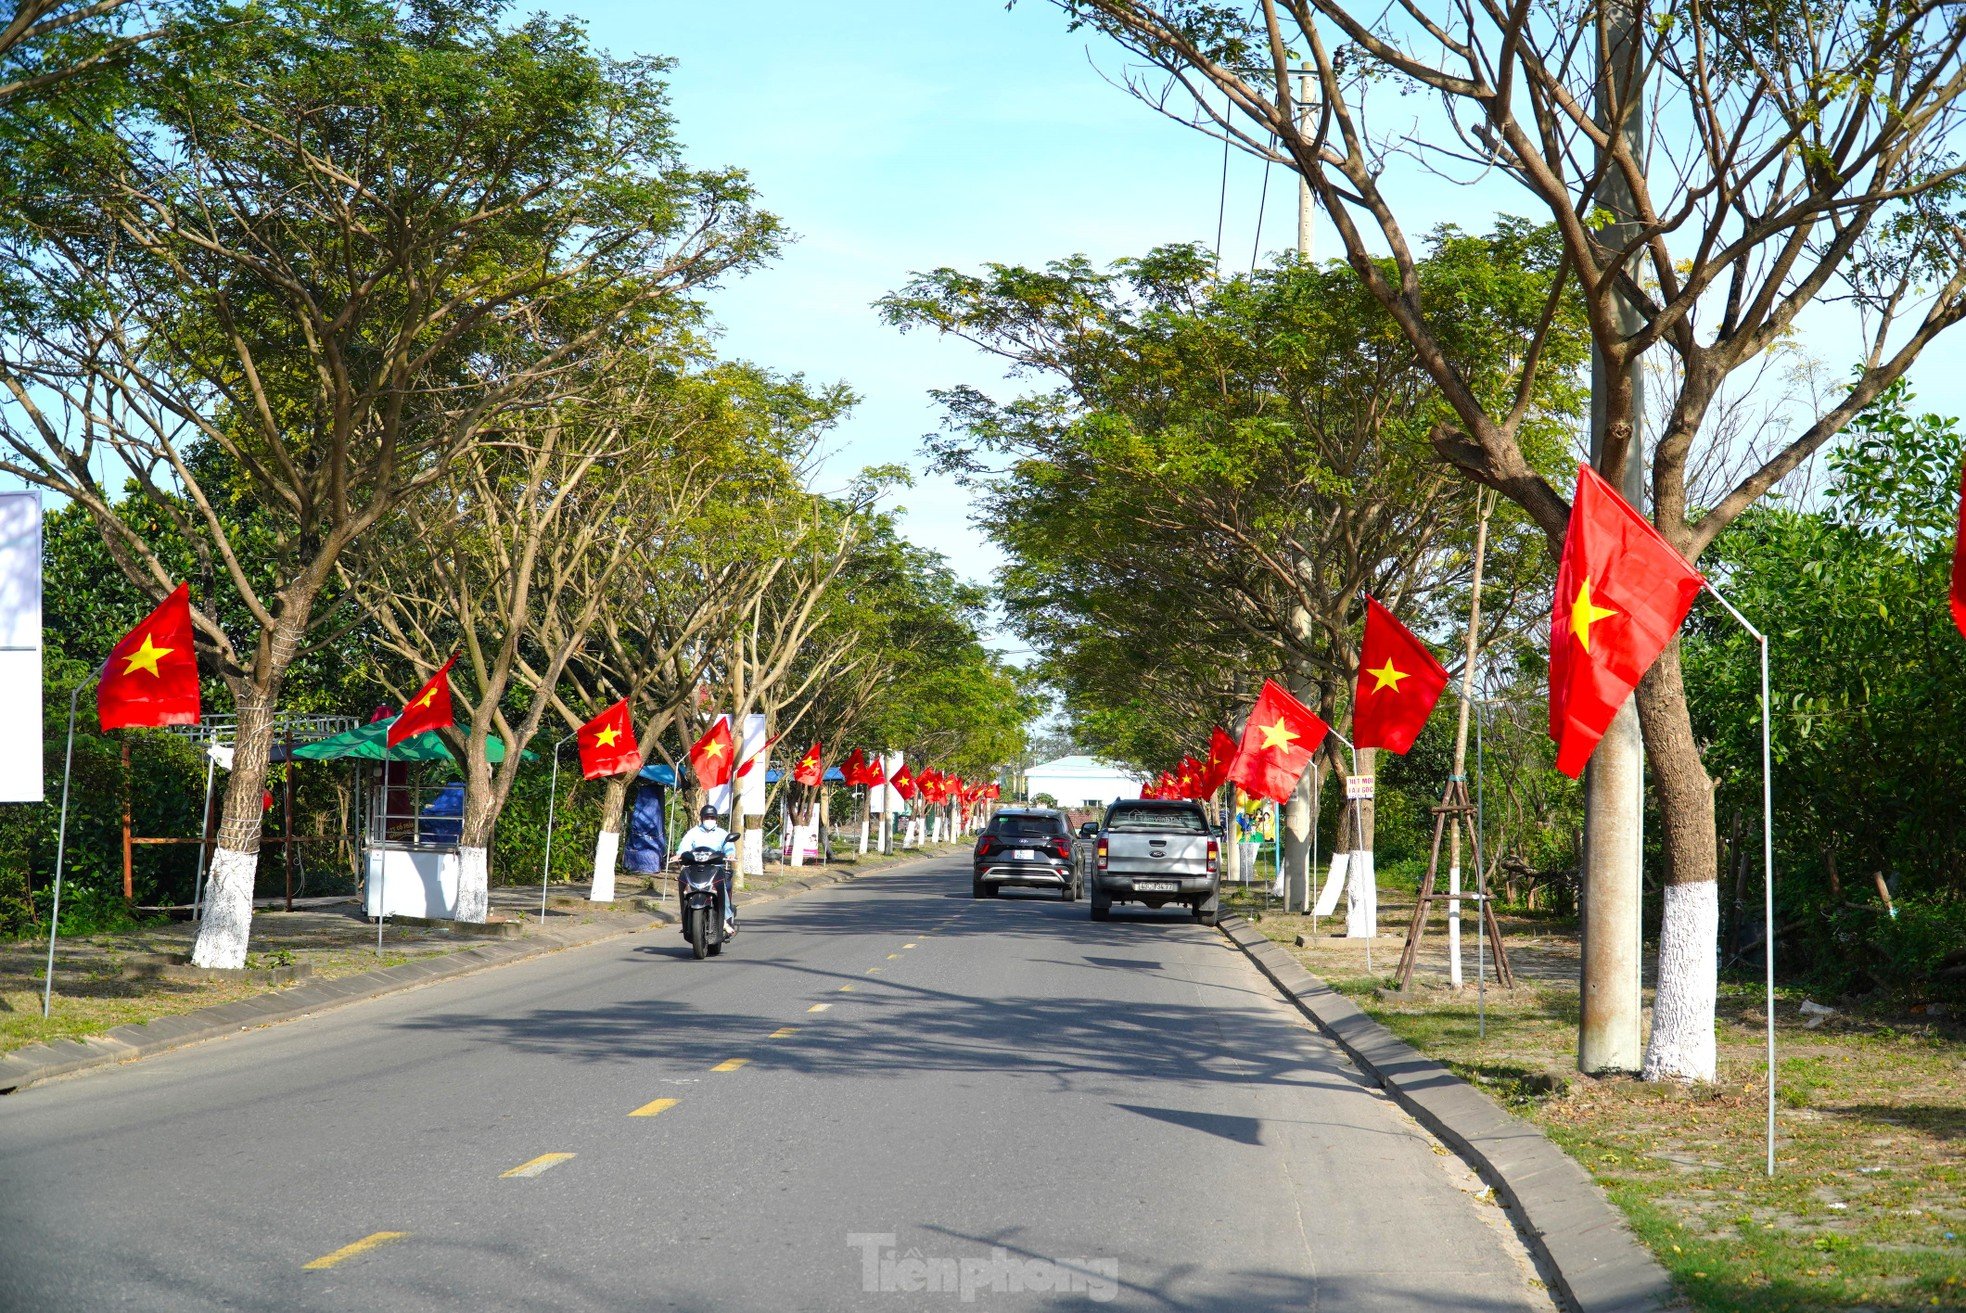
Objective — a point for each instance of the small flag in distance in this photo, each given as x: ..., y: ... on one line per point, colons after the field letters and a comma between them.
x: 429, y: 709
x: 607, y: 744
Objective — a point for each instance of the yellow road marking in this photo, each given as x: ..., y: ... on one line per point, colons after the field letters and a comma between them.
x: 819, y: 1007
x: 650, y: 1109
x: 785, y: 1032
x: 844, y: 988
x: 536, y: 1165
x: 346, y: 1252
x: 892, y: 956
x: 907, y: 945
x: 730, y: 1064
x: 873, y: 971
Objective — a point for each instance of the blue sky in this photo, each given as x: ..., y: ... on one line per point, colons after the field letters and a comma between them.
x: 894, y: 137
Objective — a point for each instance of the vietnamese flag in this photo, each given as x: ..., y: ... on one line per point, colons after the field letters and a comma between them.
x: 1621, y: 593
x: 904, y: 783
x: 1191, y: 778
x: 854, y: 769
x: 810, y: 771
x: 712, y: 758
x: 607, y: 744
x: 1399, y: 681
x: 876, y: 772
x: 429, y: 709
x: 1221, y: 758
x: 151, y: 676
x: 1277, y: 744
x: 764, y: 751
x: 1959, y: 561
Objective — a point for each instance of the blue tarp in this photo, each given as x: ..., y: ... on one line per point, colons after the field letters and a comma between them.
x: 443, y: 816
x: 659, y: 774
x: 645, y: 847
x: 832, y: 775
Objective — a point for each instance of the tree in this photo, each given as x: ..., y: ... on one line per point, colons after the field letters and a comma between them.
x: 300, y: 250
x: 1797, y: 158
x: 1224, y: 467
x: 47, y: 43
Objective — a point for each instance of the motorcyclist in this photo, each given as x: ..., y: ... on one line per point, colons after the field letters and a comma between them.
x: 708, y: 832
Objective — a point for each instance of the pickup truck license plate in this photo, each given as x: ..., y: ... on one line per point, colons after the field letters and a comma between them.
x: 1156, y: 886
x: 1024, y: 855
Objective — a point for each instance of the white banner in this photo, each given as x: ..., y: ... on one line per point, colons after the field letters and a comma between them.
x: 752, y: 750
x: 20, y: 647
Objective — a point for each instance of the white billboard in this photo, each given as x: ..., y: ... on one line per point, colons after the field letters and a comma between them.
x: 20, y: 647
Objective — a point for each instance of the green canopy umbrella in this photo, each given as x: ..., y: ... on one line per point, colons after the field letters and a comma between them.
x: 365, y: 743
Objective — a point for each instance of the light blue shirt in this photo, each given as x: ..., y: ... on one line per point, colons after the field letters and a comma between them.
x: 706, y: 834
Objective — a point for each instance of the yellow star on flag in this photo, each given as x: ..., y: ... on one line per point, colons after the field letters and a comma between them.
x: 146, y: 658
x: 605, y: 738
x: 1279, y: 736
x: 713, y: 748
x: 429, y: 696
x: 1584, y: 613
x: 1388, y: 677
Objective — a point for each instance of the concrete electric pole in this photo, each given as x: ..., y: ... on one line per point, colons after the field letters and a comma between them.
x: 1608, y: 1038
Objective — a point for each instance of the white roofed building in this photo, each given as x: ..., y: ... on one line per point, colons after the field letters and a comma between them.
x: 1081, y: 782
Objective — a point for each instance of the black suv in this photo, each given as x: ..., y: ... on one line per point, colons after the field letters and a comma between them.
x: 1030, y: 847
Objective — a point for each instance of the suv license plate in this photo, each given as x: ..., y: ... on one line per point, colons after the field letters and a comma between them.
x: 1024, y: 855
x: 1156, y: 886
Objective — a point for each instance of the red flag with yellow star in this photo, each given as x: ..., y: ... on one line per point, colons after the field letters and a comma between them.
x: 1398, y: 683
x: 811, y: 768
x: 429, y: 709
x: 607, y: 744
x: 1191, y: 778
x: 713, y: 757
x: 1277, y: 744
x: 151, y: 676
x: 1221, y: 759
x: 1621, y: 594
x: 903, y: 783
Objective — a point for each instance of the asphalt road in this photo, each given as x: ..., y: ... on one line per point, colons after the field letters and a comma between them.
x: 883, y: 1096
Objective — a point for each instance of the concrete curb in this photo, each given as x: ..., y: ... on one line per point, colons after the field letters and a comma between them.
x: 1598, y: 1265
x: 35, y: 1063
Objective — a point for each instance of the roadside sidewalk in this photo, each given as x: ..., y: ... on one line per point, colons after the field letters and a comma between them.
x: 434, y: 953
x: 1597, y: 1263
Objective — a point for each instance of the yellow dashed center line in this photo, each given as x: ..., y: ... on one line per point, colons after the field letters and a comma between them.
x: 844, y: 988
x: 907, y: 945
x: 892, y: 956
x: 651, y: 1109
x: 346, y: 1252
x: 785, y: 1032
x: 819, y: 1007
x: 536, y: 1165
x: 873, y: 971
x: 730, y: 1064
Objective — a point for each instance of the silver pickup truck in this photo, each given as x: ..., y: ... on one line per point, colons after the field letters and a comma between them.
x: 1157, y: 853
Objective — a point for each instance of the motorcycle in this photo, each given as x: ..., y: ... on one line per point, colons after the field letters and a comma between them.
x: 701, y: 875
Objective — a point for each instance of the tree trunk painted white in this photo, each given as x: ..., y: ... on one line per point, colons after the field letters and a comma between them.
x: 1454, y: 922
x: 607, y: 848
x: 865, y: 817
x: 228, y: 910
x: 754, y: 845
x: 1682, y: 1043
x: 936, y: 837
x: 473, y: 885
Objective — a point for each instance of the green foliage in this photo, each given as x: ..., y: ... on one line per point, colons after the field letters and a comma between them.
x: 1869, y: 678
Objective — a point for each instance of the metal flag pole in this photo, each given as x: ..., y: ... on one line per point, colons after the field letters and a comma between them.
x: 1481, y: 889
x: 61, y: 852
x: 1317, y: 893
x: 205, y: 822
x: 1767, y: 864
x: 552, y: 797
x: 1358, y: 831
x: 382, y: 867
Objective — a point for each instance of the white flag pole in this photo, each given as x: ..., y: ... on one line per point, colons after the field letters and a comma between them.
x: 552, y: 797
x: 1767, y: 865
x: 61, y: 852
x: 382, y: 867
